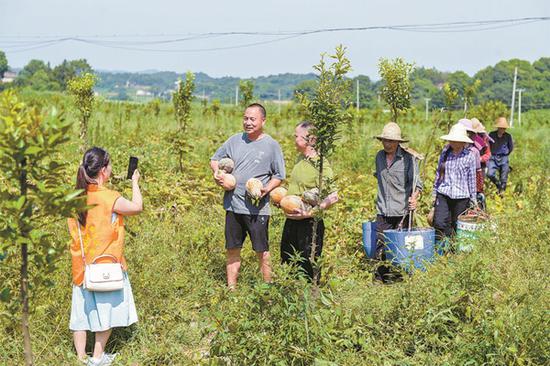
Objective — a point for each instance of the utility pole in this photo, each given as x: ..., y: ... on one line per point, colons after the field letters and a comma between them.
x: 427, y: 110
x: 279, y: 105
x: 357, y: 95
x: 513, y: 97
x: 237, y: 95
x: 519, y: 105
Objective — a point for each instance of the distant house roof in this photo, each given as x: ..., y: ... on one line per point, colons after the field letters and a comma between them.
x: 9, y: 76
x: 142, y: 93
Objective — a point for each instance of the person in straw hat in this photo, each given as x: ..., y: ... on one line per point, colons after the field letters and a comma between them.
x: 501, y: 147
x: 469, y: 124
x: 481, y: 143
x: 455, y: 182
x: 396, y: 172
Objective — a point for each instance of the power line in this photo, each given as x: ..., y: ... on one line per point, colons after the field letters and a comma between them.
x: 444, y: 26
x: 20, y: 43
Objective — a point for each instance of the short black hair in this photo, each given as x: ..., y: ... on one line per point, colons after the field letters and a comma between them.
x: 260, y: 107
x: 306, y: 124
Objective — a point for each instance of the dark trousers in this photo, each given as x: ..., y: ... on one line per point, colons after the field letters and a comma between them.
x: 501, y: 165
x: 296, y: 240
x: 446, y: 215
x: 383, y: 273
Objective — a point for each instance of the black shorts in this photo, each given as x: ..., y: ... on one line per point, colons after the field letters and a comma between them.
x: 238, y: 225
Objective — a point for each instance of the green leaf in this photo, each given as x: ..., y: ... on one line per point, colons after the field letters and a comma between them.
x: 33, y: 150
x: 5, y: 295
x: 73, y: 195
x: 20, y: 202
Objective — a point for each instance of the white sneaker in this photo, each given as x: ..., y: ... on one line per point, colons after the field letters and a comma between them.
x: 106, y: 360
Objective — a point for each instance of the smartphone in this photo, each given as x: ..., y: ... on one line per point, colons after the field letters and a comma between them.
x: 132, y: 166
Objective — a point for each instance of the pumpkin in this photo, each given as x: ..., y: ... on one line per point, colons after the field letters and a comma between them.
x: 254, y: 189
x: 290, y: 203
x: 229, y: 181
x: 277, y: 194
x: 226, y: 164
x: 311, y: 197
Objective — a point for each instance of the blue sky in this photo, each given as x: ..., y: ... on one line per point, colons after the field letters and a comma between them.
x: 468, y: 51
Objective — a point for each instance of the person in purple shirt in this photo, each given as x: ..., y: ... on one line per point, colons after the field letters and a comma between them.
x: 469, y: 124
x: 501, y: 147
x: 455, y: 182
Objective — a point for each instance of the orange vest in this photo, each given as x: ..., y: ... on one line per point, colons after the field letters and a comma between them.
x: 101, y: 235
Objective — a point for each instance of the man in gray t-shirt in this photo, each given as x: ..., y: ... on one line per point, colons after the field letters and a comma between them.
x: 256, y: 155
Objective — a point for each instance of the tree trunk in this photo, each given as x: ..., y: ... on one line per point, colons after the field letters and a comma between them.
x: 24, y: 277
x: 97, y: 134
x: 27, y: 348
x: 83, y: 134
x: 314, y: 265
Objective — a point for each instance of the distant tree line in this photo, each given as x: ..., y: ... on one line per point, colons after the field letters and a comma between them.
x: 162, y: 84
x: 40, y: 76
x: 495, y: 83
x: 491, y: 83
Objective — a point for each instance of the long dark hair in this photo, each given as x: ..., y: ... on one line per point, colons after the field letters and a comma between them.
x: 94, y: 159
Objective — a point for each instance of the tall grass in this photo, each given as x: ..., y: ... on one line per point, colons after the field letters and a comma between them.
x: 488, y: 307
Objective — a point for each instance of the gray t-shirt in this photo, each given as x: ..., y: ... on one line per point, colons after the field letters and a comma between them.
x: 262, y: 159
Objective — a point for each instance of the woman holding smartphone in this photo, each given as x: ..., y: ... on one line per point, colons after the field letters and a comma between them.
x: 100, y: 231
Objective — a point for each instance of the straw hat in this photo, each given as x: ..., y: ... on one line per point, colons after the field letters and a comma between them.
x: 478, y: 126
x: 392, y: 132
x: 467, y: 123
x: 458, y: 133
x: 502, y: 123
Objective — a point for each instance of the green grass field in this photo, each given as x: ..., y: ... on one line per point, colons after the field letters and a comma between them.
x: 488, y: 307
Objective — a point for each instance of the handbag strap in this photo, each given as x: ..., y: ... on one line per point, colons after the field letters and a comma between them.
x: 82, y: 249
x: 105, y: 256
x: 81, y: 244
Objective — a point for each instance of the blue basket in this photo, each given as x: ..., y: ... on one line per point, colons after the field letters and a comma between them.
x: 410, y: 249
x: 369, y: 238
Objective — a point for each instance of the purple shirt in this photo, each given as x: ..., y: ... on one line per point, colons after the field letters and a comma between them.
x: 501, y: 145
x: 459, y: 178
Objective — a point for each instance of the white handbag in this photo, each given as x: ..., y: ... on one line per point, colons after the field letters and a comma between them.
x: 101, y: 277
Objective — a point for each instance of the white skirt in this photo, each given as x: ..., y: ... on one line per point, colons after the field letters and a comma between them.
x: 99, y: 311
